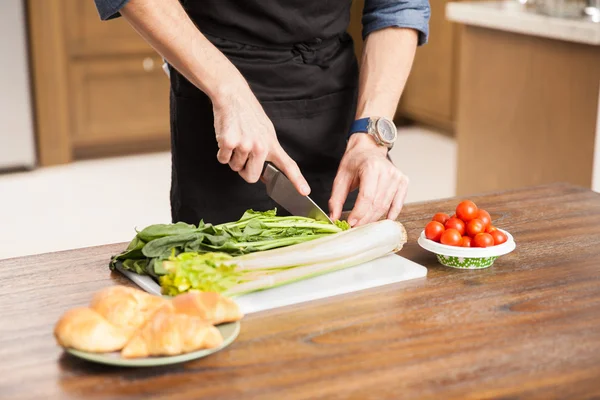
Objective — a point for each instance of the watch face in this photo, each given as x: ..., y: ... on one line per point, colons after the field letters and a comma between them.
x: 386, y: 130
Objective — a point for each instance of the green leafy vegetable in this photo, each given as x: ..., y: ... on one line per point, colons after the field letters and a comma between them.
x: 161, y: 230
x: 204, y: 272
x: 254, y: 231
x: 343, y: 225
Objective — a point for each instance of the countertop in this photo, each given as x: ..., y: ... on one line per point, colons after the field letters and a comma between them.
x: 526, y: 327
x: 512, y: 16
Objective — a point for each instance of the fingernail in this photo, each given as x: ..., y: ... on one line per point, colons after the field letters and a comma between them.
x: 305, y: 190
x: 352, y: 222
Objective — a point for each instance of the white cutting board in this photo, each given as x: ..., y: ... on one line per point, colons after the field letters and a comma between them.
x: 382, y: 271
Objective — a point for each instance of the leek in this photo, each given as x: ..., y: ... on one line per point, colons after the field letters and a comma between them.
x: 234, y: 276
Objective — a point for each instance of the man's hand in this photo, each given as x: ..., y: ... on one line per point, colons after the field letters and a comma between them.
x: 386, y: 62
x: 381, y: 186
x: 247, y: 139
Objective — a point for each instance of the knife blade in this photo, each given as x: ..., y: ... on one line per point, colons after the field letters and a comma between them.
x: 283, y: 192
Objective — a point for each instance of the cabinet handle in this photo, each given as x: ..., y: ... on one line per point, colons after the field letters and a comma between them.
x: 148, y: 64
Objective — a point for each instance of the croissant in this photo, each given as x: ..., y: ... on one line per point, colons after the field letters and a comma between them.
x: 210, y: 306
x: 168, y: 333
x: 126, y: 308
x: 84, y: 329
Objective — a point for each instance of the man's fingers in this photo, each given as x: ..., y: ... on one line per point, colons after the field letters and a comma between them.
x: 365, y: 199
x: 289, y: 167
x: 224, y: 155
x: 399, y: 199
x: 227, y: 143
x: 240, y: 156
x: 254, y: 166
x: 386, y: 189
x: 341, y: 187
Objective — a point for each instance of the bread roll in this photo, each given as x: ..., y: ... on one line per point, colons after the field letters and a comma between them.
x: 210, y: 306
x: 84, y: 329
x: 168, y: 333
x: 126, y: 308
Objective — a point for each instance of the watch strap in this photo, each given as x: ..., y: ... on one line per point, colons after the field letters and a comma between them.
x: 360, y: 125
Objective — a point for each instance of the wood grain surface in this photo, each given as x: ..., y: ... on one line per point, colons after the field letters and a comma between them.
x: 528, y: 327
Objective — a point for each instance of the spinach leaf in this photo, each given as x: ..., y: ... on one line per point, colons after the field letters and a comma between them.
x: 164, y: 244
x: 157, y: 231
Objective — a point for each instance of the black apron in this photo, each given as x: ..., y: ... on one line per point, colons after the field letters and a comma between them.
x: 300, y: 64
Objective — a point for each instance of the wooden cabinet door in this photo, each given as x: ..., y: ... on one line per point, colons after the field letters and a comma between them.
x: 429, y: 92
x: 116, y: 102
x: 87, y: 35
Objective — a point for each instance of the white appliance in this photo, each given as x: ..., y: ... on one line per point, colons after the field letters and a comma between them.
x: 17, y: 140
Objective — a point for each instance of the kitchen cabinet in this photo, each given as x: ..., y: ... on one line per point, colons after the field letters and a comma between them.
x: 99, y: 88
x: 431, y: 87
x: 529, y: 106
x: 118, y: 103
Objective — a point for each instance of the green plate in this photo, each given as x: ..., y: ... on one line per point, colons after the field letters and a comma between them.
x: 229, y: 332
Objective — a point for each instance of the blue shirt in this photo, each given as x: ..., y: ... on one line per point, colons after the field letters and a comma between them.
x: 377, y: 14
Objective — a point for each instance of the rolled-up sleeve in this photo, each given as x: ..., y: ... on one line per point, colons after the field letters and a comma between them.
x: 379, y: 14
x: 109, y: 9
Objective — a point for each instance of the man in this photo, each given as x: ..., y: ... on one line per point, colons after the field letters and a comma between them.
x: 278, y: 81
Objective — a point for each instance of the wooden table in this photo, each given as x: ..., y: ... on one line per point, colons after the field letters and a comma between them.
x: 528, y: 327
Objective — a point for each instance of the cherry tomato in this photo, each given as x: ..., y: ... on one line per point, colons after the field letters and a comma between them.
x: 466, y: 210
x: 474, y: 227
x: 499, y: 237
x: 451, y: 237
x: 483, y: 240
x: 441, y: 218
x: 465, y: 241
x: 455, y: 223
x: 434, y: 230
x: 485, y: 217
x: 490, y: 229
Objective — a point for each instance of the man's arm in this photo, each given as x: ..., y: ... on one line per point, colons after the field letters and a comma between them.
x: 393, y: 30
x: 245, y: 135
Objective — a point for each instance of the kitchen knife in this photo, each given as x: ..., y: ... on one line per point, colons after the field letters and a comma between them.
x: 283, y: 192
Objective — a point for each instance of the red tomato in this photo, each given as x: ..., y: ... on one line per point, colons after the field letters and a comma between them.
x: 499, y: 237
x: 485, y: 217
x: 474, y: 227
x: 483, y: 240
x: 441, y: 218
x: 451, y: 237
x: 490, y: 229
x: 455, y: 223
x: 434, y: 230
x: 465, y: 241
x: 466, y: 210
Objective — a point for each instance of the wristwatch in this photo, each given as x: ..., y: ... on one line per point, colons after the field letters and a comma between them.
x: 380, y: 128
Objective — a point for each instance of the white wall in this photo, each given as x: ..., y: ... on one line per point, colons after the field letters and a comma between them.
x: 16, y: 123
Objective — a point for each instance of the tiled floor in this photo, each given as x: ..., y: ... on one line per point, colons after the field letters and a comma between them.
x: 96, y: 202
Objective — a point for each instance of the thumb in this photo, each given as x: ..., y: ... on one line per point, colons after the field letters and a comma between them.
x: 290, y: 168
x: 339, y: 193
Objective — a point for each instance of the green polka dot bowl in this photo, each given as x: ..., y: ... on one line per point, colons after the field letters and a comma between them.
x: 467, y: 257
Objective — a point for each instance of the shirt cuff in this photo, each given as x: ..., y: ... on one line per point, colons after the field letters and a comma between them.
x: 396, y: 15
x: 109, y: 9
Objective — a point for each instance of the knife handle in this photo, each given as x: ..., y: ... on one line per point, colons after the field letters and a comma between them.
x: 269, y: 172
